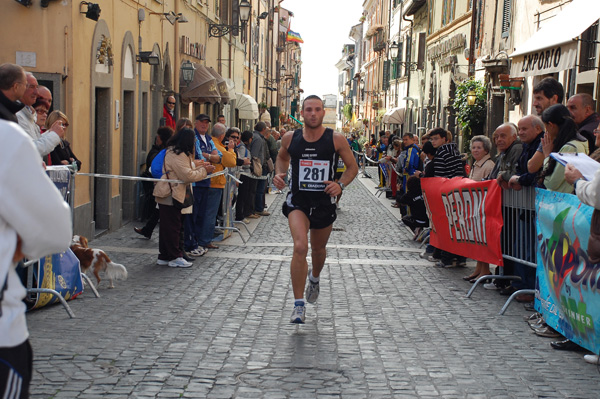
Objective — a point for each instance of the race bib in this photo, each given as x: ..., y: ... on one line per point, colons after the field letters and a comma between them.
x: 312, y: 175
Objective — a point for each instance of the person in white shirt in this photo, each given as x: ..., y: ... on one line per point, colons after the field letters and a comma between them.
x: 27, y: 120
x: 31, y: 207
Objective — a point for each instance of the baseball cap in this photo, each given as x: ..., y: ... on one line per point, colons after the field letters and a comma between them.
x: 203, y: 117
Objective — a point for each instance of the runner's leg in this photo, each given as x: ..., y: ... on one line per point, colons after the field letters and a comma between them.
x: 299, y: 225
x: 318, y: 244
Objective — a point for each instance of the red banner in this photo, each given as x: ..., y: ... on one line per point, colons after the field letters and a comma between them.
x: 466, y: 217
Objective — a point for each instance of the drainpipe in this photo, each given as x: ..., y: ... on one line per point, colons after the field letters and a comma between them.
x: 409, y: 69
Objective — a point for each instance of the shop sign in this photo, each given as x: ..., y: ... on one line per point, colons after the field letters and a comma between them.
x: 456, y: 42
x: 545, y: 61
x: 196, y: 50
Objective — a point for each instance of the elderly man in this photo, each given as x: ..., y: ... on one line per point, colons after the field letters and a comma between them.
x: 581, y: 107
x: 13, y: 83
x: 217, y: 184
x: 169, y: 112
x: 44, y: 96
x: 531, y: 131
x: 27, y: 118
x: 510, y: 149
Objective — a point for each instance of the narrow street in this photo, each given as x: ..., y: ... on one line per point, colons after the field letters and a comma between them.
x: 387, y: 324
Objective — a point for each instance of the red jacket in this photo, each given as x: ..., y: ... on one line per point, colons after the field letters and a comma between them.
x: 170, y: 121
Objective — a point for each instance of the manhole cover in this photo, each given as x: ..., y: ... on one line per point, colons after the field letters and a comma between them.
x: 293, y: 379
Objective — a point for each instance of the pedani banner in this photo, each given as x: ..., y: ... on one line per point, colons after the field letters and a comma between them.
x: 465, y: 216
x: 567, y: 283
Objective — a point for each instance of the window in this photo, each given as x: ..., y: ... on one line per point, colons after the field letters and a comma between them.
x: 587, y: 55
x: 506, y: 18
x: 448, y: 12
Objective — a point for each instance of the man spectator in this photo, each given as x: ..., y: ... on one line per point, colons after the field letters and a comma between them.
x: 509, y: 151
x: 446, y: 163
x: 531, y: 131
x: 409, y: 167
x: 581, y: 107
x: 247, y: 199
x: 258, y: 149
x: 45, y: 97
x: 169, y: 112
x: 34, y: 221
x: 207, y: 152
x: 13, y: 83
x: 546, y: 93
x: 217, y: 184
x: 27, y: 117
x: 221, y: 120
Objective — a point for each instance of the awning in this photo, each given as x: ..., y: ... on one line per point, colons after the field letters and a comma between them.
x: 247, y: 107
x: 394, y: 116
x: 221, y: 85
x: 554, y: 47
x: 203, y: 89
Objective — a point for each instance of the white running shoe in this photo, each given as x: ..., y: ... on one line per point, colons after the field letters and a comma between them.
x: 179, y: 262
x: 162, y: 262
x: 592, y: 359
x: 312, y: 290
x: 298, y: 313
x: 196, y: 252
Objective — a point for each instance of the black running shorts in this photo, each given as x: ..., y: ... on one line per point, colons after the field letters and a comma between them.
x: 319, y: 217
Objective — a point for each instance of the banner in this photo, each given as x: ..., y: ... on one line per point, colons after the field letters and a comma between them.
x: 567, y: 283
x: 59, y: 272
x: 465, y: 216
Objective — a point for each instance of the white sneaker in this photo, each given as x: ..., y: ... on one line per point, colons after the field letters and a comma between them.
x: 490, y: 286
x: 179, y: 262
x: 592, y: 359
x: 312, y: 290
x: 162, y: 262
x: 196, y: 252
x: 424, y: 255
x: 298, y: 313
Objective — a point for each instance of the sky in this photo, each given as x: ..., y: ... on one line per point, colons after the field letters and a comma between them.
x: 324, y: 25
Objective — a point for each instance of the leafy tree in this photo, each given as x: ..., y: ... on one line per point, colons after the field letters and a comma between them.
x: 470, y: 117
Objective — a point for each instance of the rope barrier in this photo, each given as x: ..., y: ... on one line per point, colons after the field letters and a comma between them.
x: 137, y: 178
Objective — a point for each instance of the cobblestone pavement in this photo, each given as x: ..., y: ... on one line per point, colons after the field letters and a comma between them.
x: 387, y: 324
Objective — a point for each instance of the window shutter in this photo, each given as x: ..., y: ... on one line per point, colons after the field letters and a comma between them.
x: 506, y: 18
x: 386, y: 75
x: 421, y: 51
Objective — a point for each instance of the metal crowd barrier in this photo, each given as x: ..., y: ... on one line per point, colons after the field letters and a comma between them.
x: 518, y: 237
x: 229, y: 221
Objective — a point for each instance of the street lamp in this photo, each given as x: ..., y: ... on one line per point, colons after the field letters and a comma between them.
x: 394, y: 49
x: 471, y: 97
x: 220, y: 30
x: 187, y: 72
x: 148, y: 57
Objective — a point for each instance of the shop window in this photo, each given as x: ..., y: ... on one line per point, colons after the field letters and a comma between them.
x: 587, y: 54
x: 506, y: 17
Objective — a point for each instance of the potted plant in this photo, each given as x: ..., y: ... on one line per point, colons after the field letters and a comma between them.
x: 470, y: 117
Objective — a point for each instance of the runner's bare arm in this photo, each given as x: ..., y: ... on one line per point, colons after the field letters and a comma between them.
x: 343, y: 149
x: 283, y: 161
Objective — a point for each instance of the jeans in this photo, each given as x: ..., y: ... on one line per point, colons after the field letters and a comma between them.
x: 259, y: 203
x: 207, y: 229
x: 193, y: 222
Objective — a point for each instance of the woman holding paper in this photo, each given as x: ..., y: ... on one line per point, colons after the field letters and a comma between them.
x: 561, y: 136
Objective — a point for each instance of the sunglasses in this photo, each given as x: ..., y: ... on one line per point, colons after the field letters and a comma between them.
x: 235, y: 137
x: 169, y: 102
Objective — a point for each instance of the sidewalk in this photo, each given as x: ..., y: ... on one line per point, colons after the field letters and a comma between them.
x: 387, y: 324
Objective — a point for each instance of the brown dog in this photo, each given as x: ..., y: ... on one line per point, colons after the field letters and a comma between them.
x: 97, y: 261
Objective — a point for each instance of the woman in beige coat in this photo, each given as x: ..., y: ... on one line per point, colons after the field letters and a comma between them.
x: 179, y: 164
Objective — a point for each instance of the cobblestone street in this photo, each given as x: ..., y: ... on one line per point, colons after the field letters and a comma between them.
x: 387, y: 324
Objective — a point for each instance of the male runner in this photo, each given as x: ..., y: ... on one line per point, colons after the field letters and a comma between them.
x: 312, y: 153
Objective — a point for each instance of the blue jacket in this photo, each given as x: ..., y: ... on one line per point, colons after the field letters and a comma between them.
x: 411, y: 164
x: 201, y: 147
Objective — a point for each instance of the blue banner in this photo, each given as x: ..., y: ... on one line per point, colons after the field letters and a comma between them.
x: 567, y: 283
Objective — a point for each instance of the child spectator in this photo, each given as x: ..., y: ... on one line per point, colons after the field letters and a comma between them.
x: 414, y: 200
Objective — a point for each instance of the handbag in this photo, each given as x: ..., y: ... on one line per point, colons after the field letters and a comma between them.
x: 270, y: 166
x: 256, y: 166
x: 594, y: 241
x: 187, y: 201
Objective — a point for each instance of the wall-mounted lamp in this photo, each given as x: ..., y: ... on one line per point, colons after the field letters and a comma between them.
x: 220, y: 30
x: 187, y: 72
x: 394, y: 49
x: 471, y: 98
x: 45, y: 3
x: 172, y: 17
x: 149, y: 57
x: 263, y: 15
x: 362, y: 85
x: 93, y: 10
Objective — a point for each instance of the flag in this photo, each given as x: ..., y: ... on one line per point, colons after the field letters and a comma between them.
x: 294, y: 37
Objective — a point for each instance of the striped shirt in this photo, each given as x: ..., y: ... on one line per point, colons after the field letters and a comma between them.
x: 447, y: 162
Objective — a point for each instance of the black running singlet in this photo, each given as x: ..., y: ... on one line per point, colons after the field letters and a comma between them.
x: 312, y: 164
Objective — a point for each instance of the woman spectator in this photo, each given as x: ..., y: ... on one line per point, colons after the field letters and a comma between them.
x: 561, y: 136
x: 42, y: 114
x: 183, y: 122
x: 480, y: 169
x: 62, y: 154
x: 163, y: 134
x: 177, y: 166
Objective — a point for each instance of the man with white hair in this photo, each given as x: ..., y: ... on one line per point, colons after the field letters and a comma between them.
x: 531, y: 131
x: 509, y: 149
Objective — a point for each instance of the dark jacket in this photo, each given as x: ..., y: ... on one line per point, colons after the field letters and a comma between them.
x: 8, y: 108
x: 586, y: 129
x: 529, y: 150
x: 63, y: 152
x: 506, y: 162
